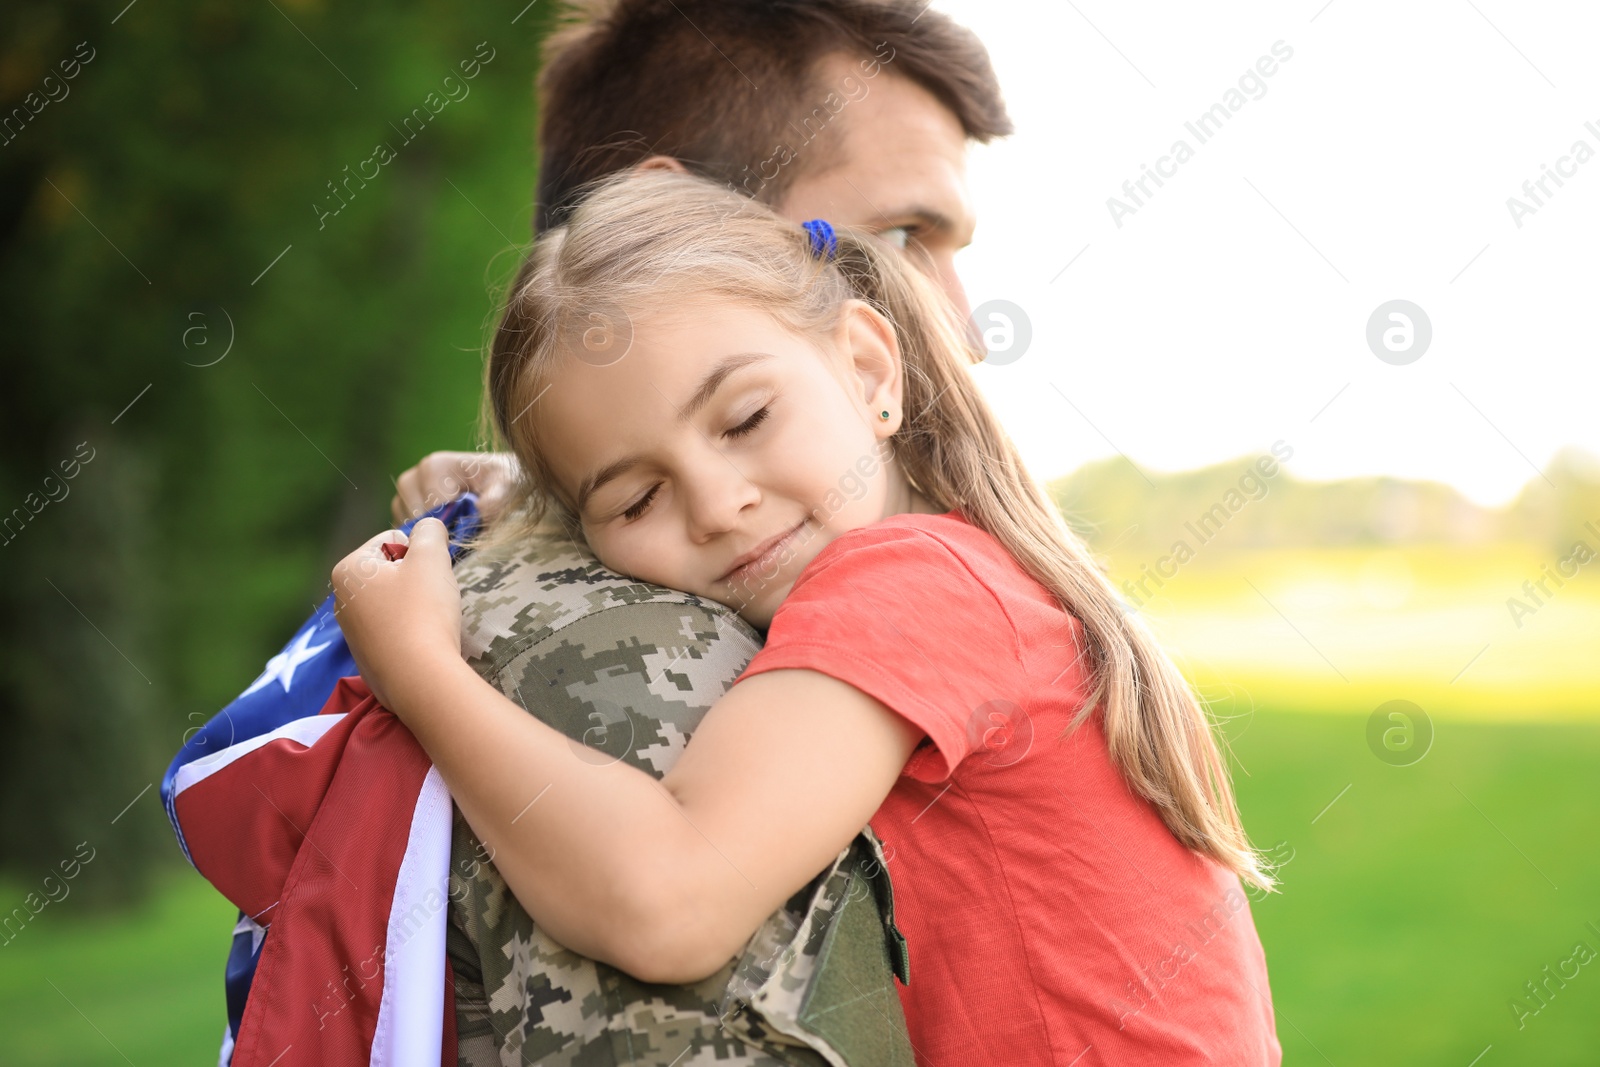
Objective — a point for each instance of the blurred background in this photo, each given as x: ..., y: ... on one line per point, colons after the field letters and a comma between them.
x: 215, y: 363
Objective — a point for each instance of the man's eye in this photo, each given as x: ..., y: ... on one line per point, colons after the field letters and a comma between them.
x: 638, y: 509
x: 749, y: 424
x: 898, y: 236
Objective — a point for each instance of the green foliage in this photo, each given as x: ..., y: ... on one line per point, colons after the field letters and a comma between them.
x: 1118, y: 508
x: 139, y: 215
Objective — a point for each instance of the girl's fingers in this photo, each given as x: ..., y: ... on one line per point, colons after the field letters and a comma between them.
x: 427, y: 536
x: 352, y: 573
x: 372, y: 548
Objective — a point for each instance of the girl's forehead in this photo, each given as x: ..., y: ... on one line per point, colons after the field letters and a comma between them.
x: 694, y: 316
x: 632, y: 363
x: 674, y: 340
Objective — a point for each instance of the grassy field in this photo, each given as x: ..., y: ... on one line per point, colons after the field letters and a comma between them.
x: 142, y: 988
x: 1415, y: 907
x: 1413, y: 910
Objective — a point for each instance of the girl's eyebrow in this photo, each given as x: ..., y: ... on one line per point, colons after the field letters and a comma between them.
x: 702, y: 395
x: 601, y: 477
x: 713, y: 379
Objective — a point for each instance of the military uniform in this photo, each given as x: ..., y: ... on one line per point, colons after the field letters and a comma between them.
x: 627, y: 669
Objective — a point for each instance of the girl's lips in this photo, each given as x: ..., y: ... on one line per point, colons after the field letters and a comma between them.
x: 753, y: 559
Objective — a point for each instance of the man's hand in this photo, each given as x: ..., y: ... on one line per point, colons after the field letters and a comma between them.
x: 442, y: 476
x: 399, y: 616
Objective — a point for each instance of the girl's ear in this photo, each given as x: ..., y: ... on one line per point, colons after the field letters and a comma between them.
x: 875, y: 370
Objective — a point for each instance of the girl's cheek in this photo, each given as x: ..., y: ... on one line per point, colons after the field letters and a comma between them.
x: 651, y: 556
x: 606, y: 552
x: 814, y: 451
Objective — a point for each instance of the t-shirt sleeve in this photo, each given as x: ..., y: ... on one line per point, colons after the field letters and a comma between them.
x: 901, y: 616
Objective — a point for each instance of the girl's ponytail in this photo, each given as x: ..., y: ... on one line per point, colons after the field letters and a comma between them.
x: 956, y: 453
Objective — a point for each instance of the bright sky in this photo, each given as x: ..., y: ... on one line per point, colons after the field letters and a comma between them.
x: 1231, y: 309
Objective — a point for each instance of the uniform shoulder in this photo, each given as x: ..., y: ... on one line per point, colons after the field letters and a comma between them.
x: 517, y: 596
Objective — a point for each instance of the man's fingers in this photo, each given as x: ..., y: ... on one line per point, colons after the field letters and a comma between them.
x: 438, y: 478
x: 408, y: 494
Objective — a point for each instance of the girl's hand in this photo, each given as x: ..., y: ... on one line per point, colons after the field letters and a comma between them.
x: 402, y: 616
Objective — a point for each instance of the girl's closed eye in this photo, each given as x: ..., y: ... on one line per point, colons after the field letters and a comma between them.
x: 638, y: 507
x: 748, y: 425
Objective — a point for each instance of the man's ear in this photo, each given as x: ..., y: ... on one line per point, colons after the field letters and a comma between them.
x: 876, y: 375
x: 660, y: 162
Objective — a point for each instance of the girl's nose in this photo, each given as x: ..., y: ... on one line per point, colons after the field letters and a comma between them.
x: 716, y: 496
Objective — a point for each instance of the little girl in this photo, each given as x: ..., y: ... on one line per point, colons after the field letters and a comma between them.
x: 781, y: 419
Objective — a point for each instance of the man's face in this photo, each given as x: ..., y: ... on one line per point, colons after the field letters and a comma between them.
x: 893, y: 160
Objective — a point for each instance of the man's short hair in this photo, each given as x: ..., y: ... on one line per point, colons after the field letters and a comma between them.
x: 725, y: 86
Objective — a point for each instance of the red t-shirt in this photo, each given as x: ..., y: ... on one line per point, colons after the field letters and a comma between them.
x: 1051, y: 916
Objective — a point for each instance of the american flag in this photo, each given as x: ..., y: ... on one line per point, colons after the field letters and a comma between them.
x: 318, y: 815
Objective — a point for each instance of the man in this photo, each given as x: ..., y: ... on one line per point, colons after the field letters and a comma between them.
x: 855, y: 111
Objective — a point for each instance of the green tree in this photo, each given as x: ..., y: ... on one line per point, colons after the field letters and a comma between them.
x: 246, y: 262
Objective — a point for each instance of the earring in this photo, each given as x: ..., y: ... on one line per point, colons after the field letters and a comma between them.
x: 884, y: 415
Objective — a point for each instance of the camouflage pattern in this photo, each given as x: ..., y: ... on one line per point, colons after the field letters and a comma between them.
x: 627, y: 670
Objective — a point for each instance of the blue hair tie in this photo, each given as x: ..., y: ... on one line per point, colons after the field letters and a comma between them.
x: 824, y: 242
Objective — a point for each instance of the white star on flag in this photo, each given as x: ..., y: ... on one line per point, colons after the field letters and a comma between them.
x: 280, y: 668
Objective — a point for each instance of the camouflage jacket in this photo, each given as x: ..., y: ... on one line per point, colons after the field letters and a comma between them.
x: 627, y: 670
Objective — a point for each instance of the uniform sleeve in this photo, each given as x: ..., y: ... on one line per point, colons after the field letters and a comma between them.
x: 899, y: 615
x: 632, y: 680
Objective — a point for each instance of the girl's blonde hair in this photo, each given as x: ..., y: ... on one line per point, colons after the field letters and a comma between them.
x: 648, y: 241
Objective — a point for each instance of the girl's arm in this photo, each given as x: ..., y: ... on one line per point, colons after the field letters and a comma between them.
x: 666, y: 880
